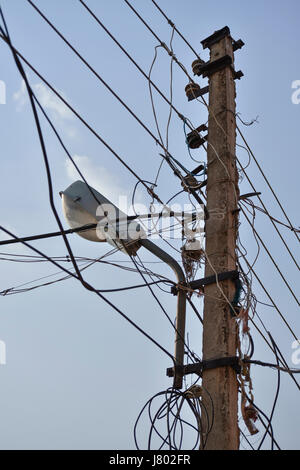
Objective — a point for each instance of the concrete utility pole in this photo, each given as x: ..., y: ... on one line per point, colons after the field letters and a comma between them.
x: 219, y: 326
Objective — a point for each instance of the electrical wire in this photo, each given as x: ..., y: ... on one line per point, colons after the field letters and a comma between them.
x: 270, y: 256
x: 172, y: 403
x: 180, y: 115
x: 170, y: 22
x: 245, y: 142
x: 78, y: 276
x: 159, y: 40
x: 96, y: 134
x: 98, y: 76
x: 169, y: 416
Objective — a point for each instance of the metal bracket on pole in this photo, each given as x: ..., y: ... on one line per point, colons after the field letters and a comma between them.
x: 215, y: 37
x: 245, y: 196
x: 220, y: 34
x: 238, y: 44
x: 199, y: 367
x: 193, y: 91
x: 233, y: 275
x: 194, y: 140
x: 210, y: 67
x: 207, y: 69
x: 198, y: 169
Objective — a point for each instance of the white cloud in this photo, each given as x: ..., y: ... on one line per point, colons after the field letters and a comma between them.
x: 50, y: 101
x: 21, y: 96
x: 99, y: 178
x: 47, y: 99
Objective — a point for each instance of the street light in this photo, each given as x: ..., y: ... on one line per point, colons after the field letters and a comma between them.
x: 83, y: 205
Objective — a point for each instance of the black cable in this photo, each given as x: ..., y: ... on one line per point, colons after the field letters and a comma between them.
x: 170, y: 411
x: 167, y: 156
x: 269, y: 297
x: 43, y: 147
x: 79, y: 277
x: 17, y: 290
x: 148, y: 271
x: 266, y: 180
x: 90, y: 288
x: 175, y: 195
x: 157, y: 141
x: 272, y: 366
x: 271, y: 257
x: 276, y: 395
x: 80, y: 117
x: 245, y: 437
x: 170, y: 22
x: 195, y: 309
x: 93, y: 71
x: 159, y: 41
x: 283, y: 361
x: 132, y: 60
x: 247, y: 146
x: 161, y: 306
x: 293, y: 229
x: 147, y: 284
x: 270, y: 431
x: 49, y: 235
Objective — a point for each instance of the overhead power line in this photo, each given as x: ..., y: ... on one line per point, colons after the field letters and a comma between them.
x: 171, y: 54
x: 269, y: 297
x: 167, y: 155
x: 100, y: 23
x: 272, y: 220
x: 170, y: 22
x: 206, y: 104
x: 271, y: 257
x: 168, y: 407
x: 42, y: 236
x: 78, y: 275
x: 76, y: 113
x: 266, y: 180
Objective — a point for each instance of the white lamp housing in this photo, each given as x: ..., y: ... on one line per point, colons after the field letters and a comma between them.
x: 83, y: 205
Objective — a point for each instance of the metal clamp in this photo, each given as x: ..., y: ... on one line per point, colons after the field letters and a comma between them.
x: 233, y: 275
x: 199, y: 367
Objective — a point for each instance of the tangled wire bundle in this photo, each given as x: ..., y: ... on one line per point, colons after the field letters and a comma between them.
x: 182, y: 418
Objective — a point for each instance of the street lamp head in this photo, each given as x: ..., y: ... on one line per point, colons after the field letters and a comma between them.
x: 83, y: 205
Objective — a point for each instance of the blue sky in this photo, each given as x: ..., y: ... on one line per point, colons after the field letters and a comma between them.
x: 77, y: 374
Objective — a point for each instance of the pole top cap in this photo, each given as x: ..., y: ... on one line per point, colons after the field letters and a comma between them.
x: 215, y: 37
